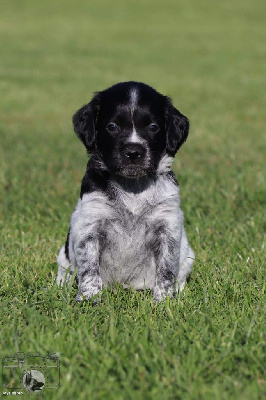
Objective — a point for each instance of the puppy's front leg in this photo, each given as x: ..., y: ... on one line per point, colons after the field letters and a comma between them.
x: 87, y: 256
x: 167, y: 260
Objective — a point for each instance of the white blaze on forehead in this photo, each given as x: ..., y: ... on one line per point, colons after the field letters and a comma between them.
x: 134, y: 138
x: 133, y: 100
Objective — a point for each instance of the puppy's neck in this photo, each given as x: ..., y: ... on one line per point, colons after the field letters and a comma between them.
x: 132, y: 185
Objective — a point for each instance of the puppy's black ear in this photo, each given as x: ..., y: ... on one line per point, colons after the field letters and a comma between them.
x: 177, y: 127
x: 84, y: 122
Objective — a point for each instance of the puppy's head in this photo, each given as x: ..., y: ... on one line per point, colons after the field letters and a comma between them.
x: 131, y: 127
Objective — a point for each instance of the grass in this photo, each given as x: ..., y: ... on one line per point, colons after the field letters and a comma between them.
x: 210, y: 58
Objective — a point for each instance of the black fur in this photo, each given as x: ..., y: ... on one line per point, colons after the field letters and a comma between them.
x: 113, y: 105
x: 67, y: 245
x: 128, y: 226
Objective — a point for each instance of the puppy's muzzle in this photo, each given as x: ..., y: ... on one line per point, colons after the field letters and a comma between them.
x: 133, y: 160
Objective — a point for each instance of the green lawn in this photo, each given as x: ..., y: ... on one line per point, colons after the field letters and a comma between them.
x: 210, y: 58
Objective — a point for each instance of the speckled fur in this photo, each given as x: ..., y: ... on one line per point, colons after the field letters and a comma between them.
x: 128, y: 230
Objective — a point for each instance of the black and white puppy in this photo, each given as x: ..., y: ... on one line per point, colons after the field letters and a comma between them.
x: 128, y: 227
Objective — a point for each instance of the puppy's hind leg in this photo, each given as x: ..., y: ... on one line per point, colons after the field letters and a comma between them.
x: 186, y: 262
x: 65, y: 271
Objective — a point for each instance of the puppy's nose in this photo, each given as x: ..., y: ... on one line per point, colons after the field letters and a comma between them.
x: 133, y: 151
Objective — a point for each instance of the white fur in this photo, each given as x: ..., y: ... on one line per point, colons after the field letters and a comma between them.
x: 134, y: 137
x: 63, y: 264
x: 133, y: 100
x: 164, y: 164
x: 126, y: 228
x: 129, y: 222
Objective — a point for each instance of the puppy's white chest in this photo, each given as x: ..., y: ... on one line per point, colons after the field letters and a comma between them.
x: 126, y: 255
x: 127, y: 228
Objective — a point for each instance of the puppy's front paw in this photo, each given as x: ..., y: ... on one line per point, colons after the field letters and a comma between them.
x: 160, y: 293
x: 89, y: 289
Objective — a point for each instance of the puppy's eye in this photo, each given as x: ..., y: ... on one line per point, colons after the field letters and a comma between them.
x: 112, y: 127
x: 153, y: 128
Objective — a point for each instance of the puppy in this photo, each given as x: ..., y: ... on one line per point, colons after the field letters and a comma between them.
x: 128, y: 227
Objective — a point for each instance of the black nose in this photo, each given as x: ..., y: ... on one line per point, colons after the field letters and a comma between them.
x: 133, y: 151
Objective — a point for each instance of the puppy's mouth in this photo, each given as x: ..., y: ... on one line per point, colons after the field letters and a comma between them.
x: 132, y: 171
